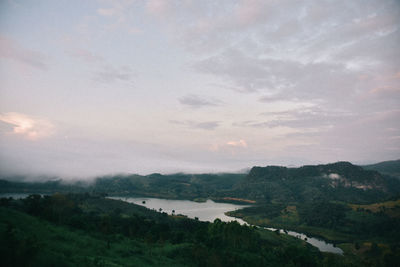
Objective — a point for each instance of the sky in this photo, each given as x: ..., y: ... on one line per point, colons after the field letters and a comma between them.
x: 132, y: 86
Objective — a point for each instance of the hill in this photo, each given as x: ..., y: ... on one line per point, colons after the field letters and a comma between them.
x: 391, y: 167
x: 340, y: 181
x: 174, y: 186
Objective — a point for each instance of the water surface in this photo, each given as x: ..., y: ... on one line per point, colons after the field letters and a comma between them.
x: 320, y: 244
x: 210, y: 210
x: 16, y: 195
x: 205, y: 211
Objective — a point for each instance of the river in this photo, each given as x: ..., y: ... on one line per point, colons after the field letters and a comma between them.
x: 210, y: 210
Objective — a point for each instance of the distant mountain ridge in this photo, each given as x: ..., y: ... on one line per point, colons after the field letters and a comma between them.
x: 340, y: 173
x: 391, y: 167
x: 340, y: 181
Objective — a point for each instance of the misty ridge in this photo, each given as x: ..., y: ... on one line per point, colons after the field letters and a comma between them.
x: 252, y: 184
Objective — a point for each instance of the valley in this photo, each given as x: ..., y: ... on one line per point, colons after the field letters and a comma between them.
x: 355, y: 209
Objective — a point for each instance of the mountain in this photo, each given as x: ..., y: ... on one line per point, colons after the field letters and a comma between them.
x: 340, y: 181
x: 391, y: 167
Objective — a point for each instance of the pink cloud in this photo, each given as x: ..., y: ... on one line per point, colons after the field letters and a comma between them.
x: 239, y: 143
x: 229, y: 146
x: 384, y: 89
x: 249, y: 11
x: 12, y: 50
x: 158, y: 7
x: 107, y: 11
x: 27, y: 126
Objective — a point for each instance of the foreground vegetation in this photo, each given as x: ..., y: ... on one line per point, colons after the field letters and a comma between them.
x: 87, y: 230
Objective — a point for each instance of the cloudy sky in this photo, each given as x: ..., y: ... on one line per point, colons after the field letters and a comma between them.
x: 134, y: 86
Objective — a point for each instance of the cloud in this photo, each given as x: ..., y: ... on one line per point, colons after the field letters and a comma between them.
x: 84, y: 55
x: 11, y: 49
x: 280, y: 79
x: 305, y: 120
x: 196, y: 101
x: 158, y: 7
x: 232, y: 146
x: 239, y: 143
x: 110, y: 74
x: 308, y: 50
x: 29, y: 127
x: 248, y: 74
x: 107, y: 11
x: 116, y: 8
x: 207, y: 125
x: 119, y: 14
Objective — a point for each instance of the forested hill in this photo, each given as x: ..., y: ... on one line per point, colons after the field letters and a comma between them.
x: 391, y: 167
x: 341, y: 181
x: 176, y: 186
x: 186, y: 186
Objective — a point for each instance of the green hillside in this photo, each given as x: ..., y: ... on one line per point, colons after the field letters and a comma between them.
x: 175, y: 186
x: 391, y: 167
x: 341, y: 181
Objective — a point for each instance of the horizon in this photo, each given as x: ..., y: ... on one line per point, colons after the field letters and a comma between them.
x: 99, y: 87
x: 89, y: 179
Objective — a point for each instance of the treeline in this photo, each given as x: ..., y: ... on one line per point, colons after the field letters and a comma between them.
x: 173, y: 186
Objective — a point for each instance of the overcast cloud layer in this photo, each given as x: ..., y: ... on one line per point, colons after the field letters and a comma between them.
x: 98, y: 87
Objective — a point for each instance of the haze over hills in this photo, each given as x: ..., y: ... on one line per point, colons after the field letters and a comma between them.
x: 344, y: 204
x: 340, y: 181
